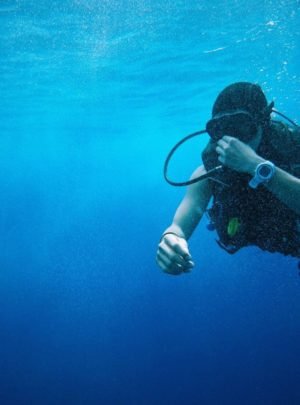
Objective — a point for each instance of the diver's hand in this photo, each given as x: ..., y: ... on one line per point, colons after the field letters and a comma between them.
x: 237, y: 155
x: 173, y: 255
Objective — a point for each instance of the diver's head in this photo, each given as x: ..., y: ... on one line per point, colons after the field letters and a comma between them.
x: 241, y: 110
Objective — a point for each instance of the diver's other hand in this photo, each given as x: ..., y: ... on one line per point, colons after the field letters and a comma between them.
x: 237, y: 155
x: 173, y: 255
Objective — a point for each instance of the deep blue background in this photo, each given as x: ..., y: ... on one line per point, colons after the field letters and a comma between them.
x: 93, y: 95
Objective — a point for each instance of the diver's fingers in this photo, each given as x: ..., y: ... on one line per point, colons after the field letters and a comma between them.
x: 222, y: 143
x: 228, y: 139
x: 220, y: 151
x: 168, y: 267
x: 178, y: 245
x: 163, y: 258
x: 169, y: 252
x: 172, y: 258
x: 189, y: 264
x: 221, y: 159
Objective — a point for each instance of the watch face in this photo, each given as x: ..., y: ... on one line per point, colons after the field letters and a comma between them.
x: 265, y: 171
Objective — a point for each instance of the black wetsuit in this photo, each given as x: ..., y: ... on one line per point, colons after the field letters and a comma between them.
x: 260, y: 218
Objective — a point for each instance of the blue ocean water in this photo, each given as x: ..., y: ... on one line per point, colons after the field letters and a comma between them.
x: 93, y: 96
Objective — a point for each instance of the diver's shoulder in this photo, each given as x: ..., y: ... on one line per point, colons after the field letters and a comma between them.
x: 283, y: 134
x: 199, y: 171
x: 285, y: 140
x: 201, y: 185
x: 280, y: 127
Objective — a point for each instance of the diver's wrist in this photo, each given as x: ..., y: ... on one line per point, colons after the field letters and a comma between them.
x: 252, y: 165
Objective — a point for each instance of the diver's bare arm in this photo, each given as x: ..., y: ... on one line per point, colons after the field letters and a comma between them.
x: 242, y: 158
x: 192, y: 207
x: 286, y: 188
x: 283, y: 185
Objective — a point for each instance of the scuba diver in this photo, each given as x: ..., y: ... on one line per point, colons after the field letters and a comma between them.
x: 248, y: 185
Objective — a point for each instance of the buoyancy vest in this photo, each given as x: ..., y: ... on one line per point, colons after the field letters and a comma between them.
x: 243, y: 216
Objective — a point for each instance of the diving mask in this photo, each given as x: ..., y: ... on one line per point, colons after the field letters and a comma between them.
x: 239, y: 124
